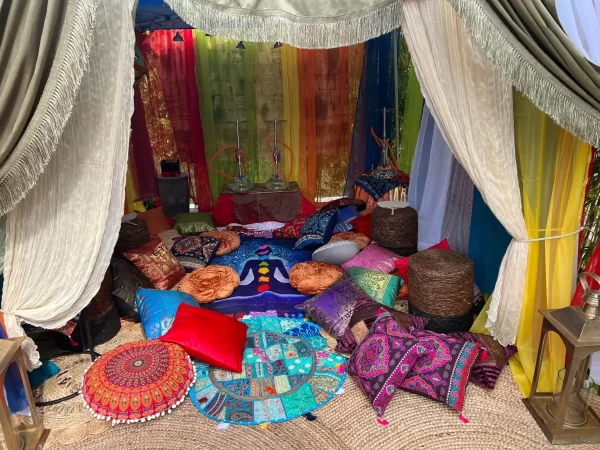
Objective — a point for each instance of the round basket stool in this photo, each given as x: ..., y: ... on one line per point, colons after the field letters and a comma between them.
x: 441, y: 289
x: 395, y: 225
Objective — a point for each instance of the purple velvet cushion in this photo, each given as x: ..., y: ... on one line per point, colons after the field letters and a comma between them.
x: 374, y: 257
x: 486, y: 370
x: 443, y: 374
x: 333, y: 308
x: 382, y: 361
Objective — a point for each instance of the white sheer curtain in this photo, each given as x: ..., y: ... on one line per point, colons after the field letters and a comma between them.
x: 61, y: 236
x: 429, y: 181
x: 473, y: 107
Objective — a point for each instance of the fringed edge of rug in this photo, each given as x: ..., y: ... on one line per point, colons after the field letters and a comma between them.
x: 529, y: 76
x: 301, y: 32
x: 144, y: 419
x: 42, y: 135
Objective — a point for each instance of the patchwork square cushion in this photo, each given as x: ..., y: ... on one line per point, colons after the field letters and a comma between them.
x: 195, y: 251
x: 336, y: 253
x: 187, y: 224
x: 384, y: 359
x: 312, y: 278
x: 157, y: 263
x: 381, y: 287
x: 127, y: 279
x: 156, y: 220
x: 362, y: 224
x: 333, y: 308
x: 402, y: 263
x: 443, y: 374
x: 374, y: 257
x: 317, y: 230
x: 489, y: 364
x: 292, y: 229
x: 209, y: 337
x: 157, y: 309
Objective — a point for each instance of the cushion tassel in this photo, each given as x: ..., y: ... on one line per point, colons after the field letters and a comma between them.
x: 381, y: 421
x: 341, y: 369
x: 484, y: 354
x: 463, y: 419
x: 310, y: 417
x: 264, y: 426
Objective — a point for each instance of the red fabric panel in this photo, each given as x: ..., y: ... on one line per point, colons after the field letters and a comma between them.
x: 362, y: 224
x: 141, y: 161
x: 174, y: 63
x: 209, y: 337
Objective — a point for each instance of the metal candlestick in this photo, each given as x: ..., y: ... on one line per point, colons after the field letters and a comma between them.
x: 384, y: 170
x: 240, y: 183
x: 276, y: 183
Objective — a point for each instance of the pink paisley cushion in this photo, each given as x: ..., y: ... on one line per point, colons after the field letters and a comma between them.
x: 374, y: 257
x: 443, y: 374
x: 383, y: 359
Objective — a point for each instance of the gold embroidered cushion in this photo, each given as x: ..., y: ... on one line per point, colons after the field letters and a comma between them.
x: 381, y: 287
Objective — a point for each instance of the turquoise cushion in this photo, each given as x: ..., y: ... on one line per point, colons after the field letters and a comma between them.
x: 47, y: 370
x: 381, y: 287
x: 157, y: 309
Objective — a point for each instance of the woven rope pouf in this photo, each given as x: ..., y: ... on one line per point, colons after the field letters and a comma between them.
x: 395, y: 225
x: 441, y: 289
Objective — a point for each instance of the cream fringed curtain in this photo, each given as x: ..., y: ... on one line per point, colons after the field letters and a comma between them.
x: 61, y: 236
x: 473, y: 107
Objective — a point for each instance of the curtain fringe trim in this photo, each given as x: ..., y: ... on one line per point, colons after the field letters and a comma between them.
x: 529, y: 76
x: 301, y: 32
x: 40, y: 140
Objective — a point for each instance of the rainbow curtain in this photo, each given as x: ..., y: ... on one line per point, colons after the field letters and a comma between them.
x: 193, y: 92
x: 314, y: 92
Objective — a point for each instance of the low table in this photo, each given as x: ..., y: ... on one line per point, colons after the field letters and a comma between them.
x: 260, y: 205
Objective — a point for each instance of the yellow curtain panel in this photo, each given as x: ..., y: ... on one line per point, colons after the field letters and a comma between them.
x: 553, y: 173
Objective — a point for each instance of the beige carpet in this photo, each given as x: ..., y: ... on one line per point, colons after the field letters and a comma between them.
x: 498, y: 420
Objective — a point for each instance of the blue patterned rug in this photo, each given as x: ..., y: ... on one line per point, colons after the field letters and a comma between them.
x: 287, y: 372
x: 263, y: 266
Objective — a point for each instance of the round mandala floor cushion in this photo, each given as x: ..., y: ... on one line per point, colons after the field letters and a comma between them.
x: 230, y: 241
x: 358, y: 238
x: 312, y: 278
x: 137, y: 381
x: 336, y: 253
x: 287, y: 372
x: 210, y: 283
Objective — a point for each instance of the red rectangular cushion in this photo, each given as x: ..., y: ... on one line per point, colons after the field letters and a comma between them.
x: 209, y: 337
x: 362, y: 224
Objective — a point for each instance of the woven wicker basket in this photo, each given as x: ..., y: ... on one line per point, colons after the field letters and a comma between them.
x: 441, y: 289
x: 395, y: 227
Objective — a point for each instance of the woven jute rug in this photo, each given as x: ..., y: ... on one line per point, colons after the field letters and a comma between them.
x: 498, y: 420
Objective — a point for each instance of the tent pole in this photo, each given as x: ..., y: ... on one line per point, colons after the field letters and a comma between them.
x: 396, y: 38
